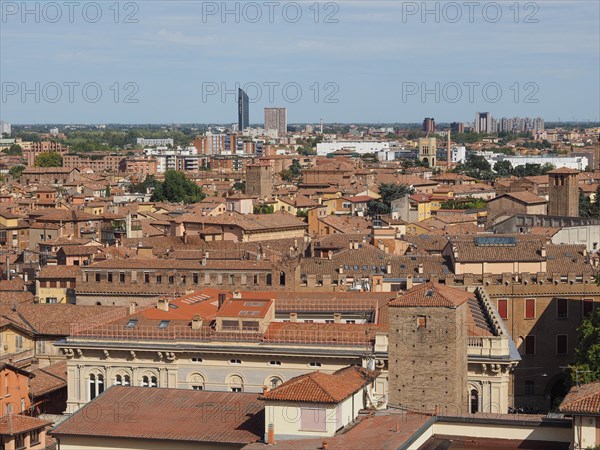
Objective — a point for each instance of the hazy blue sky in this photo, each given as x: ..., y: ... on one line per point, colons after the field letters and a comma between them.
x: 374, y: 55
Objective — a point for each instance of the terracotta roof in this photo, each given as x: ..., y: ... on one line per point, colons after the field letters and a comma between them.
x: 64, y: 272
x: 12, y: 424
x: 171, y: 415
x: 319, y: 387
x: 525, y: 248
x: 432, y: 295
x: 526, y: 197
x: 78, y: 250
x: 584, y: 399
x: 564, y: 170
x: 48, y: 379
x: 245, y: 308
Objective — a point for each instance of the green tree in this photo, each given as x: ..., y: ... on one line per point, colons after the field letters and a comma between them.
x: 177, y: 189
x: 263, y: 209
x: 14, y: 150
x: 16, y: 171
x: 503, y: 168
x: 388, y: 192
x: 586, y: 365
x: 239, y: 186
x: 48, y: 159
x: 295, y: 168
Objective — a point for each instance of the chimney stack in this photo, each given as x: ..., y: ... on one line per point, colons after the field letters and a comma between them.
x: 337, y: 318
x: 449, y: 150
x: 163, y: 304
x: 196, y: 322
x: 293, y: 317
x: 132, y: 308
x: 221, y: 299
x: 237, y: 294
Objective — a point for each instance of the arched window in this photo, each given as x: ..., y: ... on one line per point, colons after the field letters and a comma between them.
x: 149, y: 381
x: 235, y: 383
x: 196, y: 382
x: 474, y: 397
x: 122, y: 380
x: 281, y: 278
x: 274, y: 382
x: 95, y: 385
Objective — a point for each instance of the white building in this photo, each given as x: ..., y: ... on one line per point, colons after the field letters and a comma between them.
x: 174, y: 159
x: 571, y: 162
x: 361, y: 147
x: 155, y: 142
x: 5, y: 127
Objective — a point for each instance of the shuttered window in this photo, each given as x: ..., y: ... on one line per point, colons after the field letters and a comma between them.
x: 530, y: 308
x: 503, y: 308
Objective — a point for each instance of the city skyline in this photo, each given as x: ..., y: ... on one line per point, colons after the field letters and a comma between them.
x: 335, y: 84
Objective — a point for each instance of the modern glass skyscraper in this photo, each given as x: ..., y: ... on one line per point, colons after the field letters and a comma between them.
x: 243, y: 110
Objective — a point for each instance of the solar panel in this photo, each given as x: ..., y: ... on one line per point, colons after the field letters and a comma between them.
x: 488, y: 241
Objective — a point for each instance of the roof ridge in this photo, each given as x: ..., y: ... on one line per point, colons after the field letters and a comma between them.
x: 321, y: 387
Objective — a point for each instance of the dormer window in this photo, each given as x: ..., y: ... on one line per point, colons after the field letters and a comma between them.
x: 132, y: 323
x: 421, y: 321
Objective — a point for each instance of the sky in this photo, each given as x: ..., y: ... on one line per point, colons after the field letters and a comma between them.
x: 344, y: 62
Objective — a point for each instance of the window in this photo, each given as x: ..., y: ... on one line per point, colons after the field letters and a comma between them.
x: 198, y: 388
x: 158, y: 279
x: 171, y: 279
x: 34, y: 437
x: 149, y: 381
x: 95, y: 385
x: 421, y: 321
x: 132, y: 323
x: 236, y: 389
x: 562, y: 347
x: 146, y: 277
x: 231, y: 279
x: 255, y: 281
x: 329, y: 321
x: 235, y: 361
x: 588, y: 307
x: 562, y: 308
x: 196, y: 359
x: 109, y: 277
x: 503, y: 308
x: 350, y: 321
x: 530, y: 345
x: 20, y: 441
x: 122, y: 380
x: 313, y: 419
x: 163, y: 324
x: 195, y: 278
x: 530, y: 308
x: 269, y: 279
x: 314, y: 364
x: 274, y: 382
x: 121, y: 277
x: 18, y: 341
x: 97, y: 277
x: 529, y: 387
x: 274, y: 363
x: 51, y: 300
x: 41, y: 346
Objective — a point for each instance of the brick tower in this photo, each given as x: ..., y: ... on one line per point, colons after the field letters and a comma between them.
x: 563, y: 192
x: 428, y: 349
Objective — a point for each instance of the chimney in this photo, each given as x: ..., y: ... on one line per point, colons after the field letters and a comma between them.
x: 237, y: 294
x: 221, y: 299
x: 351, y: 245
x: 386, y: 248
x: 449, y: 150
x: 543, y: 251
x: 7, y: 267
x: 185, y: 238
x: 341, y: 269
x: 163, y: 304
x: 293, y: 317
x: 388, y: 268
x: 132, y: 308
x: 337, y: 318
x: 420, y: 268
x: 329, y: 255
x: 266, y: 390
x: 196, y: 322
x: 271, y: 434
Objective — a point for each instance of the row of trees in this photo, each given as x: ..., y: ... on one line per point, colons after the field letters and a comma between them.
x: 506, y: 169
x: 176, y: 188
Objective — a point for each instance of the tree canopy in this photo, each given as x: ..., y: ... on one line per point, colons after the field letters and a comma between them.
x: 177, y: 189
x: 48, y: 159
x: 586, y: 367
x: 16, y: 171
x: 389, y: 192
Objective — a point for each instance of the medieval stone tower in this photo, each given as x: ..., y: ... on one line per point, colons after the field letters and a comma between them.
x: 259, y: 180
x: 428, y: 349
x: 563, y: 192
x: 427, y: 150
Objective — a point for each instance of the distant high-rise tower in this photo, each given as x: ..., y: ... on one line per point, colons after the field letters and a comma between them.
x: 457, y: 127
x: 243, y: 110
x: 427, y: 150
x: 484, y: 123
x: 563, y: 192
x: 276, y: 119
x: 429, y: 125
